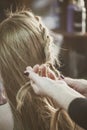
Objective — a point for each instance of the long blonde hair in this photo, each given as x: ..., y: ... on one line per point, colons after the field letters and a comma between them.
x: 24, y: 41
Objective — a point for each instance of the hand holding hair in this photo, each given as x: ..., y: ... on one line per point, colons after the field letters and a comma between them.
x: 80, y: 85
x: 42, y: 70
x: 57, y: 89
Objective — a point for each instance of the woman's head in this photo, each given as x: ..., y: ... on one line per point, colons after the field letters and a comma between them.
x: 24, y: 41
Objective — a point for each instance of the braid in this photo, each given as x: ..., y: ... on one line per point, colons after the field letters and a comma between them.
x: 48, y: 44
x: 50, y: 49
x: 44, y: 35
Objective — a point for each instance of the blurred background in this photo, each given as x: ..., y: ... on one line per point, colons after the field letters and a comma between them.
x: 68, y: 24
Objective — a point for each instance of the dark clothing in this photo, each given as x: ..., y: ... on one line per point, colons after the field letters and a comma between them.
x: 78, y: 111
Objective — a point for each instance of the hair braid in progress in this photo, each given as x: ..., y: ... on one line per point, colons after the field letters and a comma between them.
x: 24, y: 40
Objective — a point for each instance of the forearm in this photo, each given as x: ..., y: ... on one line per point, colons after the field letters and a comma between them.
x: 65, y: 97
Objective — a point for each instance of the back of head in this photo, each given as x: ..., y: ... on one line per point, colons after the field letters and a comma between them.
x: 25, y: 41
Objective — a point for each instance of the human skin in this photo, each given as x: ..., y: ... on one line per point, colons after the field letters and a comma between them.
x: 57, y: 89
x: 80, y: 85
x: 6, y: 120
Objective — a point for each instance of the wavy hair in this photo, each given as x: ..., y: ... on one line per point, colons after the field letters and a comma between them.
x: 25, y: 41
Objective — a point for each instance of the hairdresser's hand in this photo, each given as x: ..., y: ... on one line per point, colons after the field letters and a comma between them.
x: 80, y: 85
x: 57, y: 89
x: 43, y: 71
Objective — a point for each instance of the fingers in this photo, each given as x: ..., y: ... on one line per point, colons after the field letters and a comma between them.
x: 75, y: 84
x: 34, y: 77
x: 26, y: 72
x: 41, y: 85
x: 70, y: 82
x: 42, y: 70
x: 51, y: 74
x: 40, y: 78
x: 37, y: 79
x: 36, y: 68
x: 47, y: 72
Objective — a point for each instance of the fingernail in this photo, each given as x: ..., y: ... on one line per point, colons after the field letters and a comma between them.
x: 62, y: 76
x: 26, y: 73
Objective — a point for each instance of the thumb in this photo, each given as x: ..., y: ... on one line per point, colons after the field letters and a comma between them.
x: 36, y: 79
x: 35, y: 88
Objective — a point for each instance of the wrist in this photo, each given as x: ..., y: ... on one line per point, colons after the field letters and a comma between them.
x: 65, y: 96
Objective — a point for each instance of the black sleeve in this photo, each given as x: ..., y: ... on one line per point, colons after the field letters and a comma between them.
x: 78, y: 111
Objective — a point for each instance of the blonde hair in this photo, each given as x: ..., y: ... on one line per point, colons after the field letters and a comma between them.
x: 24, y: 41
